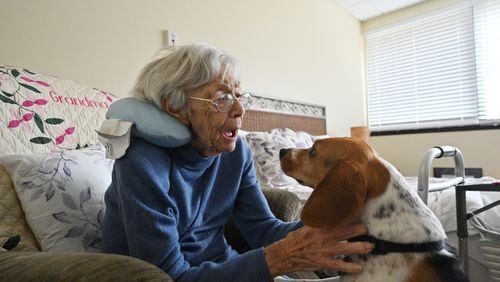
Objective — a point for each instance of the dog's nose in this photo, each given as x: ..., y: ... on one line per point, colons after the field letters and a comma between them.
x: 283, y: 152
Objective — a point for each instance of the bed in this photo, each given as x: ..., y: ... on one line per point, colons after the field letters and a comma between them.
x: 273, y: 124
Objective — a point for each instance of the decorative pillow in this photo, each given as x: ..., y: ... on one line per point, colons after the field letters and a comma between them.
x: 266, y: 147
x: 151, y: 123
x: 301, y: 139
x: 62, y: 196
x: 41, y: 113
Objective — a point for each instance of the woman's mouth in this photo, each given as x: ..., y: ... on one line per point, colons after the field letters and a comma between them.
x: 230, y: 135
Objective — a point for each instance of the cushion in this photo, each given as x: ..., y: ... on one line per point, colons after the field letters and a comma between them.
x: 12, y: 220
x: 266, y: 146
x: 61, y: 194
x: 151, y: 123
x: 41, y: 113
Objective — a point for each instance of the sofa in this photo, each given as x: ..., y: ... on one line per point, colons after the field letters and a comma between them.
x: 53, y: 174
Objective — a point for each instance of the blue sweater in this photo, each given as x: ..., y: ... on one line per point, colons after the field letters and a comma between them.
x: 168, y: 206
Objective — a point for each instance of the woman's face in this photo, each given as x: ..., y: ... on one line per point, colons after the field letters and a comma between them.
x: 214, y: 132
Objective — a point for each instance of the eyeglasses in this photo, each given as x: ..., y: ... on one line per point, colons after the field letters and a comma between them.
x: 225, y: 101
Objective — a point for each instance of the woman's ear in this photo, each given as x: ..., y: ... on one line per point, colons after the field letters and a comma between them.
x: 180, y: 115
x: 338, y: 199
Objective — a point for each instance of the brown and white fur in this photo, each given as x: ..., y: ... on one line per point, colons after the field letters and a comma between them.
x: 352, y: 184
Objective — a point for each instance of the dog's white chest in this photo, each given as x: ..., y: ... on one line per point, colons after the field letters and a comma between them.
x: 386, y: 268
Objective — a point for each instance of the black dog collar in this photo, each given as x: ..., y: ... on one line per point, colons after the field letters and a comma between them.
x: 383, y: 247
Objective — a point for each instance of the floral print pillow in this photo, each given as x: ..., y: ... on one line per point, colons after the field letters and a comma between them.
x: 266, y: 147
x: 61, y: 194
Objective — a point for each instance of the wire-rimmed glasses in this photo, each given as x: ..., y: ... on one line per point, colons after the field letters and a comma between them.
x: 224, y: 102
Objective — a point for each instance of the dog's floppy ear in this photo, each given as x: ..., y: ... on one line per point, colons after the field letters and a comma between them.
x: 338, y: 199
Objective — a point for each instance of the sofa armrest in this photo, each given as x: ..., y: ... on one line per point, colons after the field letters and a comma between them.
x: 284, y: 204
x: 47, y: 266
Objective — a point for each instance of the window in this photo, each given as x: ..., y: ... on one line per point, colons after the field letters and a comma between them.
x: 436, y: 71
x: 487, y: 39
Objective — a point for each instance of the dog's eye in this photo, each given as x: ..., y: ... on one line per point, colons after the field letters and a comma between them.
x: 312, y: 152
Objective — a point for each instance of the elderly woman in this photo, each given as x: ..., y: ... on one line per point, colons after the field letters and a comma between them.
x: 168, y: 206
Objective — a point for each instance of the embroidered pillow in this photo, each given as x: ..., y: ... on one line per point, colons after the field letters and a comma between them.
x: 266, y: 147
x: 61, y: 194
x: 42, y: 113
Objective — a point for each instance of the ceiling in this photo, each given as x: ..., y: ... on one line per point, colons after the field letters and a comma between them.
x: 367, y: 9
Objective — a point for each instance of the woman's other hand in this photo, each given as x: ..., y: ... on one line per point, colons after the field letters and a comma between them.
x: 310, y: 249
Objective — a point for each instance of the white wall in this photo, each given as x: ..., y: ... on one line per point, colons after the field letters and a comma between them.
x: 480, y: 149
x: 298, y: 49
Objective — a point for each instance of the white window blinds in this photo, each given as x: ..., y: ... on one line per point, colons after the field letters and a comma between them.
x: 487, y: 39
x: 421, y: 73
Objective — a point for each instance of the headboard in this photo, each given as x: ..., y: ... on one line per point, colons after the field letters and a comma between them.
x: 268, y: 113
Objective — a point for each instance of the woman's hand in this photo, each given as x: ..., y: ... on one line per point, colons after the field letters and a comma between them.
x: 309, y: 249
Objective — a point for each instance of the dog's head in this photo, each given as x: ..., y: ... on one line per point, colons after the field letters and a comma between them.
x: 344, y: 173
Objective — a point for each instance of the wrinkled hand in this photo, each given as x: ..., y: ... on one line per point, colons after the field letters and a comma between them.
x: 309, y: 249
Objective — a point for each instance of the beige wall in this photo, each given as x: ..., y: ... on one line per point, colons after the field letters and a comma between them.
x: 297, y: 49
x: 480, y: 148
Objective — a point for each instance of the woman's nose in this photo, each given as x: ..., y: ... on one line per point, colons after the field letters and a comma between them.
x: 237, y: 109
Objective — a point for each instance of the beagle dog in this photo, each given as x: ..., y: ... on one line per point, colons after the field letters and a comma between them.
x: 352, y: 184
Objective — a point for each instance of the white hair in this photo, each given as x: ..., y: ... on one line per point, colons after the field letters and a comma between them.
x: 183, y: 69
